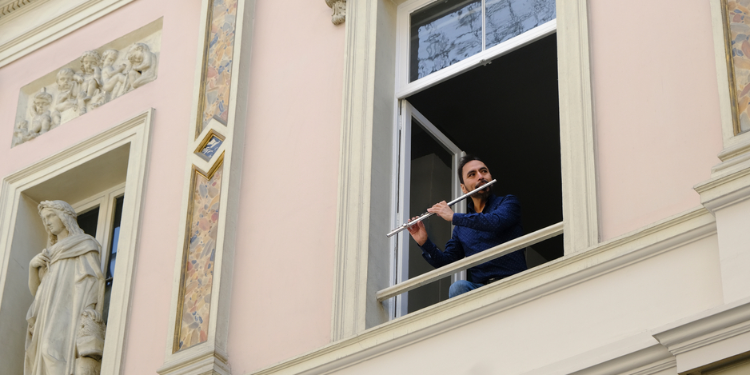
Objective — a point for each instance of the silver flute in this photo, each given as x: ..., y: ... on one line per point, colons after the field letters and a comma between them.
x: 428, y: 214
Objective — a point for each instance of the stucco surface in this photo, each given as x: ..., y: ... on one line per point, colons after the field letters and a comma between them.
x: 656, y: 108
x: 171, y: 96
x: 570, y: 322
x: 283, y: 277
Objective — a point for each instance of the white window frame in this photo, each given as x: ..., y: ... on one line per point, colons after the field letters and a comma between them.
x: 400, y: 260
x: 404, y: 88
x: 401, y: 144
x: 362, y: 253
x: 105, y: 200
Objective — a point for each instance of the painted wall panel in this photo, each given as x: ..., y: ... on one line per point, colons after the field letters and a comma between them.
x: 658, y: 128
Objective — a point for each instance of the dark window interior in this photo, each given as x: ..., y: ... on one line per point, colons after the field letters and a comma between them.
x: 115, y: 237
x: 88, y: 221
x: 507, y: 112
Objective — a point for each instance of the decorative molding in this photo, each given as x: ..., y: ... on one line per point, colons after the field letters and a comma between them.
x: 339, y: 11
x: 56, y: 23
x: 703, y: 330
x: 136, y: 132
x: 726, y: 189
x: 13, y: 6
x: 577, y: 145
x: 207, y: 354
x: 105, y: 74
x: 548, y: 278
x: 353, y: 216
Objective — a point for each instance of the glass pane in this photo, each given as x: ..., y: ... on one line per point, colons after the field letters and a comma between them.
x: 112, y: 255
x: 430, y: 183
x: 443, y: 34
x: 88, y: 221
x: 508, y: 18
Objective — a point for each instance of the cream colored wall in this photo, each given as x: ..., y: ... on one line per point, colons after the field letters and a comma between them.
x: 587, y: 316
x: 171, y: 96
x: 283, y: 277
x: 657, y: 119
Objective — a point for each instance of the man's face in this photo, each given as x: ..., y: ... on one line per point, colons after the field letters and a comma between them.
x: 475, y: 174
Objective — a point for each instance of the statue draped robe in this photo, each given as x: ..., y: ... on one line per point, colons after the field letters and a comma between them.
x: 72, y: 283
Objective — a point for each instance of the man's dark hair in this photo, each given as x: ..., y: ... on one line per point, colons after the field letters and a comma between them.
x: 465, y: 160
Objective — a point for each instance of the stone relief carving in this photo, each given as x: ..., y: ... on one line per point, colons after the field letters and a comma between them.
x: 339, y: 11
x: 41, y: 120
x: 100, y: 80
x: 65, y: 332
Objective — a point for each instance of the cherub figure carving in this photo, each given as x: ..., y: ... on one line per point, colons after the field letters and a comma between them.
x: 90, y: 81
x: 21, y: 133
x: 41, y: 120
x: 113, y: 78
x: 67, y: 93
x: 141, y: 66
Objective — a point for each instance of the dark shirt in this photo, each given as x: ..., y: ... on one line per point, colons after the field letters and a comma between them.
x: 499, y: 222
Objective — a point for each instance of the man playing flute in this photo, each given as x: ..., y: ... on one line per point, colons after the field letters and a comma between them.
x: 490, y: 221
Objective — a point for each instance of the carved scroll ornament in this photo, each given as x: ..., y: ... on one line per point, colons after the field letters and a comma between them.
x: 339, y: 11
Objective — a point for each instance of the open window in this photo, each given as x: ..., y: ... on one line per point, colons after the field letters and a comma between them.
x: 478, y: 77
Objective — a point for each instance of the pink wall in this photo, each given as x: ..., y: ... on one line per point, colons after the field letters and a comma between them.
x: 283, y: 285
x: 283, y: 278
x: 171, y: 95
x: 656, y: 108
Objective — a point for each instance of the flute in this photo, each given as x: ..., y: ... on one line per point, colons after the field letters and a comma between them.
x: 428, y: 214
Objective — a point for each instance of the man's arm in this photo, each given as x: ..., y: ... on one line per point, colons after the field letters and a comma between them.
x: 436, y: 258
x: 507, y: 214
x: 430, y: 252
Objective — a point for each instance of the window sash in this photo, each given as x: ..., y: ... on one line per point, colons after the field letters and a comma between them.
x: 404, y: 88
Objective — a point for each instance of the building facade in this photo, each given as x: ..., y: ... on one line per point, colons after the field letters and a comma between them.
x: 241, y: 161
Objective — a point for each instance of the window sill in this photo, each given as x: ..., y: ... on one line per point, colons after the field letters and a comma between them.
x: 548, y: 278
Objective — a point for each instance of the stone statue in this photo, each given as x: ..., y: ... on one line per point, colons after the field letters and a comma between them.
x: 65, y: 329
x: 113, y: 78
x: 141, y: 66
x: 41, y: 121
x: 91, y: 81
x: 67, y: 93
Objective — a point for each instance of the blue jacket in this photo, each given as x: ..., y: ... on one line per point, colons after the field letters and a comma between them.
x: 499, y: 222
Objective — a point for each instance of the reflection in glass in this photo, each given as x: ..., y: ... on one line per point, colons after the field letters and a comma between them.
x: 115, y: 239
x: 443, y: 34
x: 430, y: 183
x: 508, y: 18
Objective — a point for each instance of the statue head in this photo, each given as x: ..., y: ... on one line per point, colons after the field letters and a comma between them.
x: 136, y: 52
x: 42, y: 101
x: 89, y: 61
x: 58, y: 217
x: 110, y: 56
x: 65, y: 79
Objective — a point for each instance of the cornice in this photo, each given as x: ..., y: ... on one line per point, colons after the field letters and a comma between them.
x: 12, y: 6
x: 514, y: 291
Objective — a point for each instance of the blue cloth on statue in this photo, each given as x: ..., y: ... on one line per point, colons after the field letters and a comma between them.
x: 499, y: 222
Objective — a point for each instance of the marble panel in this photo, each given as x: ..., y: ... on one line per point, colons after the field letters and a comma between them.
x: 217, y: 73
x: 738, y: 21
x: 197, y: 278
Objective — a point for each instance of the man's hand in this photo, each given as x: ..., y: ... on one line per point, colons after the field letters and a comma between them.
x: 417, y: 231
x: 443, y: 210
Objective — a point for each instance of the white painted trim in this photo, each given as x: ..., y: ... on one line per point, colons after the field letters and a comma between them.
x: 471, y: 261
x: 562, y: 273
x: 136, y: 132
x: 370, y: 27
x: 56, y: 28
x: 211, y: 356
